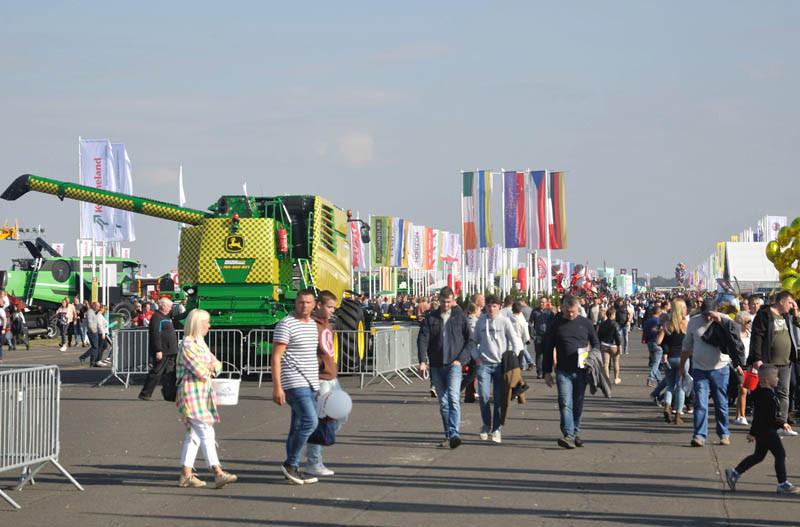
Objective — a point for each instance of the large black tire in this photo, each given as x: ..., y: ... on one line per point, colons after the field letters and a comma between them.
x: 351, y: 317
x: 126, y: 310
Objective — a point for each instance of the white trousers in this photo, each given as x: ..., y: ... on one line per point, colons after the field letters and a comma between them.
x: 199, y: 434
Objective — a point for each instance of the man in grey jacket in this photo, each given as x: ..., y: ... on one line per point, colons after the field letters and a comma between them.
x: 493, y: 335
x: 93, y: 332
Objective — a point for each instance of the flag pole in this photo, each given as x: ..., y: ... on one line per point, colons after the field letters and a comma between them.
x: 503, y: 250
x: 548, y: 219
x: 80, y: 231
x: 369, y: 260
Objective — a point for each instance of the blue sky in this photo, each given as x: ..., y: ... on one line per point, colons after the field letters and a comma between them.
x: 675, y: 121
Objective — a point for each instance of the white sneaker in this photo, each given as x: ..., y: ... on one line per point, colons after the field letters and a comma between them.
x: 62, y: 348
x: 787, y: 433
x: 318, y: 470
x: 741, y: 421
x: 496, y: 436
x: 484, y: 435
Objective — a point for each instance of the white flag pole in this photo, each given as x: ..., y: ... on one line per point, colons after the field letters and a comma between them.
x: 547, y: 212
x: 369, y: 260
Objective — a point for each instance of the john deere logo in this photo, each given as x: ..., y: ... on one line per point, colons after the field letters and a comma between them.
x: 234, y: 243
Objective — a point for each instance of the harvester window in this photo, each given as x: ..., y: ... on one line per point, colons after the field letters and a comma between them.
x: 327, y: 232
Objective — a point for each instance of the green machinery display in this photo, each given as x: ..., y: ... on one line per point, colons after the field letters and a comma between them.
x: 244, y: 259
x: 44, y: 279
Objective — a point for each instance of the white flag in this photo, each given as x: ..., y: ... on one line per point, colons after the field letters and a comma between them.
x: 124, y: 219
x: 97, y: 171
x: 244, y: 188
x: 181, y: 194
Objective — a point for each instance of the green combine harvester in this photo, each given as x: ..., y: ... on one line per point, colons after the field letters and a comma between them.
x: 244, y: 259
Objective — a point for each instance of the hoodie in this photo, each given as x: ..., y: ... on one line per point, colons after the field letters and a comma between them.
x: 492, y: 337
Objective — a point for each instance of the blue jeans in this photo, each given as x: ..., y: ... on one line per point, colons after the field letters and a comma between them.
x: 490, y: 374
x: 94, y: 348
x: 674, y: 389
x: 447, y: 381
x: 624, y: 330
x: 303, y: 402
x: 571, y: 392
x: 655, y: 359
x: 714, y: 382
x: 525, y: 358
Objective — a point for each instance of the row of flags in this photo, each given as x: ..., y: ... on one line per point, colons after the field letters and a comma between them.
x: 105, y: 166
x: 396, y: 242
x: 532, y: 202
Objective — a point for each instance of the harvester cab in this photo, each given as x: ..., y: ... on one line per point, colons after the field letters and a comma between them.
x: 244, y: 259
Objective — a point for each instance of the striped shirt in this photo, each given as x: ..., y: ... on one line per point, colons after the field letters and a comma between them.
x: 299, y: 365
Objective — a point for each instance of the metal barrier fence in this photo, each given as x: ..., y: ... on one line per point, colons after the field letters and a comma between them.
x: 382, y: 353
x: 30, y: 409
x: 130, y: 353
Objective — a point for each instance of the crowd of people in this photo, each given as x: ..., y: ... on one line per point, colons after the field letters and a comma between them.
x: 700, y: 346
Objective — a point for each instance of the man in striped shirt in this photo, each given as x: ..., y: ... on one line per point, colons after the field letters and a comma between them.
x: 295, y: 378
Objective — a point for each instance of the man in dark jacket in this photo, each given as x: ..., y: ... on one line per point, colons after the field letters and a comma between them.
x: 443, y: 346
x: 773, y: 341
x: 163, y: 349
x: 540, y: 319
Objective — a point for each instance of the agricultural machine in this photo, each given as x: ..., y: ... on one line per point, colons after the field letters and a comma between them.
x: 245, y: 259
x: 44, y: 279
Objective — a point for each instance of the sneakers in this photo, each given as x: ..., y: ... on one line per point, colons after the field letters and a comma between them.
x: 617, y: 381
x: 144, y: 397
x: 725, y: 440
x: 651, y: 383
x: 741, y: 421
x: 319, y: 469
x: 223, y: 478
x: 432, y: 392
x: 698, y: 441
x: 191, y: 482
x: 63, y: 348
x: 787, y: 488
x: 484, y: 435
x: 455, y: 442
x: 496, y: 437
x: 295, y: 477
x: 566, y: 442
x: 444, y: 444
x: 731, y: 477
x: 578, y: 441
x: 787, y: 433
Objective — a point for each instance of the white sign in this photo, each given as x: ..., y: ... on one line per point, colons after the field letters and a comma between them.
x: 123, y: 224
x: 97, y: 171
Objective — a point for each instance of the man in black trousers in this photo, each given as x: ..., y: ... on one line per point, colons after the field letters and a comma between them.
x: 163, y: 349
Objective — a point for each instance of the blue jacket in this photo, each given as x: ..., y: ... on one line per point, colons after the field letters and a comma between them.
x: 430, y: 341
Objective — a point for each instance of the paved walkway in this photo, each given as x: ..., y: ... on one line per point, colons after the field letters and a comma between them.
x: 634, y: 470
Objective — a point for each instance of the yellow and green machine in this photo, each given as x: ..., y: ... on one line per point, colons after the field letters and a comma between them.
x: 244, y: 259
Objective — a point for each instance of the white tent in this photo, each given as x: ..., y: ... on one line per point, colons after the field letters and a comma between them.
x: 747, y: 263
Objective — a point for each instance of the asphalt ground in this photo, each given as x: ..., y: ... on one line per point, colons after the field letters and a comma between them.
x: 634, y: 470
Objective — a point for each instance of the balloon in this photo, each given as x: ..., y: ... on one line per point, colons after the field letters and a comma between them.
x: 796, y: 224
x: 773, y: 250
x: 784, y: 236
x: 786, y: 273
x: 787, y: 284
x: 335, y: 404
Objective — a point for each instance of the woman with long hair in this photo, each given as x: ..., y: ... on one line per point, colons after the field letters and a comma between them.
x: 197, y: 403
x: 745, y: 323
x: 610, y: 336
x: 670, y: 338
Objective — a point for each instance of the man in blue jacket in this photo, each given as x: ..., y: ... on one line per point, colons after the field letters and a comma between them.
x: 443, y: 346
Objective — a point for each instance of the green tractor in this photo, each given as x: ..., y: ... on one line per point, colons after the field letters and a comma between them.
x: 244, y: 259
x: 44, y: 279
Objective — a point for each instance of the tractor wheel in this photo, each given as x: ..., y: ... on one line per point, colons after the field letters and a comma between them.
x: 350, y: 317
x: 52, y: 327
x: 125, y: 310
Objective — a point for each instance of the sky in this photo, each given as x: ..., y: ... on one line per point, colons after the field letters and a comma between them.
x: 676, y: 122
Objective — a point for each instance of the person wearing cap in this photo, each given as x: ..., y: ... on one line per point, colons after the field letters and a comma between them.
x: 710, y: 371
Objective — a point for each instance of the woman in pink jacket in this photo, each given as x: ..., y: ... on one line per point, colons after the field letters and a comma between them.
x: 197, y: 403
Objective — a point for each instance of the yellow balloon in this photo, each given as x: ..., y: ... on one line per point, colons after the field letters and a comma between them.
x: 796, y: 224
x: 772, y: 250
x: 784, y: 236
x: 787, y: 284
x: 786, y: 273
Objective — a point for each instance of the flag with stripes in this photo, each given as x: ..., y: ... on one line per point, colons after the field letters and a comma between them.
x: 539, y: 197
x: 484, y: 221
x: 558, y: 211
x: 468, y: 195
x: 514, y: 212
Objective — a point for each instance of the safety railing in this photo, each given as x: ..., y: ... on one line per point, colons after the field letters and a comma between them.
x: 130, y: 354
x: 382, y: 353
x: 30, y: 409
